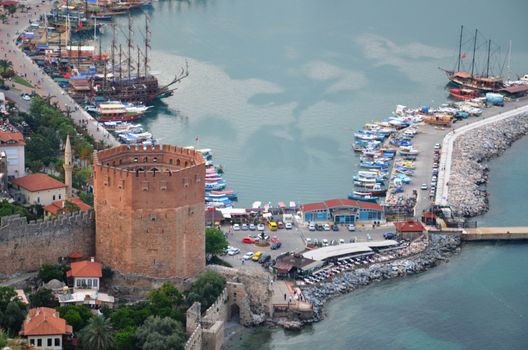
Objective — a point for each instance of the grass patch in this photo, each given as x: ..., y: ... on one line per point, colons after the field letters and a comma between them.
x: 21, y: 81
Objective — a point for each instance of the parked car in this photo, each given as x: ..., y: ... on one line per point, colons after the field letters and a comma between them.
x: 264, y: 259
x: 311, y: 227
x: 424, y: 187
x: 341, y: 241
x: 308, y: 241
x: 261, y: 227
x: 319, y: 227
x: 26, y: 97
x: 288, y: 226
x: 325, y: 242
x: 390, y: 235
x: 252, y: 227
x: 276, y: 245
x: 236, y: 227
x: 244, y: 227
x: 274, y: 239
x: 247, y: 256
x: 335, y: 228
x: 257, y: 256
x: 351, y: 227
x: 248, y: 240
x: 233, y: 251
x: 280, y: 225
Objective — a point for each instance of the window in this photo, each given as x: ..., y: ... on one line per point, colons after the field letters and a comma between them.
x: 95, y: 282
x: 39, y: 342
x: 57, y: 341
x: 53, y: 197
x: 60, y: 196
x: 38, y: 199
x: 89, y: 282
x: 50, y: 341
x: 78, y: 283
x: 32, y: 341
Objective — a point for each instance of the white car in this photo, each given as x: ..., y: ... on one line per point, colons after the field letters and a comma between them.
x: 341, y: 241
x: 311, y: 227
x: 248, y: 256
x: 424, y: 187
x: 326, y: 227
x: 244, y: 227
x: 26, y: 98
x: 437, y: 146
x: 351, y: 227
x: 308, y: 240
x: 261, y: 227
x: 233, y: 251
x: 236, y: 227
x: 288, y: 226
x: 325, y: 242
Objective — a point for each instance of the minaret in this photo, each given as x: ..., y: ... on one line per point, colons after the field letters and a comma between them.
x: 68, y: 167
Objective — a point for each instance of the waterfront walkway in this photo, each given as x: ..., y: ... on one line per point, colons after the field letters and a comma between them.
x: 495, y: 234
x: 43, y: 85
x: 442, y: 197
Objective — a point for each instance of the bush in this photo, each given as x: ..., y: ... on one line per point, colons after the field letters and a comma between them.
x: 206, y: 289
x: 49, y: 272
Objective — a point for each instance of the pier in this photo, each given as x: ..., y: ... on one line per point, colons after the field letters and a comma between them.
x: 514, y: 233
x: 444, y: 172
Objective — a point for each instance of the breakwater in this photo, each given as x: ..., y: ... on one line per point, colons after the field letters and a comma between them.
x: 466, y: 186
x: 439, y: 249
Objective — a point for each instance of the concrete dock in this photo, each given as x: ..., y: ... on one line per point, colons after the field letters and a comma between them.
x: 496, y: 234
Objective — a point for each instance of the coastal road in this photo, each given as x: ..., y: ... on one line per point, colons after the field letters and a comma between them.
x: 442, y: 196
x: 43, y: 84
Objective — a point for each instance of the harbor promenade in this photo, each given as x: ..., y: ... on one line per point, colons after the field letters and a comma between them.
x: 43, y: 85
x: 495, y: 234
x: 442, y: 197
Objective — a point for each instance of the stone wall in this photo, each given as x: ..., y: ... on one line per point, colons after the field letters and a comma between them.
x: 195, y: 340
x: 25, y: 246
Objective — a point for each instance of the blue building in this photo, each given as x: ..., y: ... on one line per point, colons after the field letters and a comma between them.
x: 342, y: 211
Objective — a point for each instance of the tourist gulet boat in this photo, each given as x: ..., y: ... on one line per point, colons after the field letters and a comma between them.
x: 463, y: 94
x: 471, y: 80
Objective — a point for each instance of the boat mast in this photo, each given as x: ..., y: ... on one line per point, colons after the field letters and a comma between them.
x: 509, y: 61
x: 113, y: 52
x: 488, y: 63
x: 138, y: 61
x: 460, y: 47
x: 474, y: 51
x: 147, y: 42
x: 129, y: 42
x: 120, y: 70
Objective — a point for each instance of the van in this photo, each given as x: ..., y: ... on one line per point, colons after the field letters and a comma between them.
x: 272, y: 225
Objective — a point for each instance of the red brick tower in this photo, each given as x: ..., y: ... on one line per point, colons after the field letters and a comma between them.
x: 149, y: 205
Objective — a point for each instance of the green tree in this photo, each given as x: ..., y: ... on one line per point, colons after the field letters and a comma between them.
x: 14, y: 316
x: 7, y: 294
x: 77, y: 316
x: 215, y: 241
x: 3, y: 338
x: 166, y: 302
x: 206, y: 289
x: 125, y: 339
x: 7, y: 208
x: 49, y: 272
x: 97, y: 335
x: 43, y: 297
x: 160, y: 334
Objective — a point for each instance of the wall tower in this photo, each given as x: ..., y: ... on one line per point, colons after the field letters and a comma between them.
x: 68, y: 167
x: 149, y: 205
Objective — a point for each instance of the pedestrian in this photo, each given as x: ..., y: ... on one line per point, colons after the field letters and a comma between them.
x: 284, y: 296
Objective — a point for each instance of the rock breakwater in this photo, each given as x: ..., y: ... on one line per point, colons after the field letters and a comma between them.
x: 467, y: 192
x: 440, y: 248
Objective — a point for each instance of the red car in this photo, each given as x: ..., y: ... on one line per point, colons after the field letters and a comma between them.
x: 274, y: 239
x: 248, y: 240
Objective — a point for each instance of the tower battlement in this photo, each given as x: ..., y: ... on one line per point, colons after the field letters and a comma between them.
x: 149, y: 204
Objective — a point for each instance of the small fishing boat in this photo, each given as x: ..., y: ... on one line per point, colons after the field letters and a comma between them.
x: 363, y: 197
x: 463, y: 94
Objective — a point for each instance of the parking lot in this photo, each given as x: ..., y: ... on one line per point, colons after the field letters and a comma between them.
x: 294, y: 240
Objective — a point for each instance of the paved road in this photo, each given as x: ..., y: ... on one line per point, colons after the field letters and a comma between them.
x: 43, y: 84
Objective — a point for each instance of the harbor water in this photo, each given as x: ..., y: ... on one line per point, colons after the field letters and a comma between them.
x: 276, y: 89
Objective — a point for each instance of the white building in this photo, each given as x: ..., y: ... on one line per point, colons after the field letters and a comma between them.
x: 40, y: 189
x: 44, y: 329
x: 12, y: 143
x: 85, y: 274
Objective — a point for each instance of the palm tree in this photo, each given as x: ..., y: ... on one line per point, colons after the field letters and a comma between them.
x: 97, y: 335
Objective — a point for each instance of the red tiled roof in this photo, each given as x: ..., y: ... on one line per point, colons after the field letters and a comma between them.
x: 313, y: 207
x: 8, y: 2
x: 337, y: 203
x: 11, y: 137
x: 85, y: 269
x: 37, y: 182
x: 44, y: 321
x: 75, y: 255
x: 409, y: 226
x: 55, y: 207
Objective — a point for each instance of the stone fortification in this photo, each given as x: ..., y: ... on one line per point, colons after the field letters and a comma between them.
x: 149, y: 204
x: 467, y: 193
x: 25, y: 246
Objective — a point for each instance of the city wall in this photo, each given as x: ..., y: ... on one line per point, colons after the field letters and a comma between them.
x: 25, y: 246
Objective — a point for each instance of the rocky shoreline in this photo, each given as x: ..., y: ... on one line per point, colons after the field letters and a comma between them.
x: 469, y: 173
x: 440, y: 248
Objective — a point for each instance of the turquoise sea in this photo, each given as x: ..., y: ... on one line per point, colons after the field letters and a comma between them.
x: 276, y: 89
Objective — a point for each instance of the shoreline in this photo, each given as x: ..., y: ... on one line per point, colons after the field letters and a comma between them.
x: 440, y: 249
